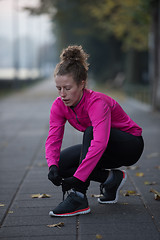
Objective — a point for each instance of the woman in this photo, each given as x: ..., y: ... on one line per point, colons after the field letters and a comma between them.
x: 111, y: 138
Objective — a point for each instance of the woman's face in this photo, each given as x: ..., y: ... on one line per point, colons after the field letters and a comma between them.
x: 68, y: 89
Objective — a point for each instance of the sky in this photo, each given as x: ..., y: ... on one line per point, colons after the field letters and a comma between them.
x: 16, y: 22
x: 31, y: 34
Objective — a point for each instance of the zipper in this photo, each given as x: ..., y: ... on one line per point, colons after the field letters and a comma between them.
x: 75, y: 114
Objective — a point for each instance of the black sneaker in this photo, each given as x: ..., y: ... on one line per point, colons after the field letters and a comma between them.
x: 71, y: 206
x: 111, y: 187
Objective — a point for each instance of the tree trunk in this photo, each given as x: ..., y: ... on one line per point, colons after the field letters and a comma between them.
x: 154, y: 53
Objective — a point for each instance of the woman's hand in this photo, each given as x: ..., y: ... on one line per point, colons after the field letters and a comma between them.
x: 53, y: 175
x: 71, y: 182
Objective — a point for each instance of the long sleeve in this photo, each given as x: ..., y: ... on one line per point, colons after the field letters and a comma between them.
x: 55, y: 136
x: 100, y: 115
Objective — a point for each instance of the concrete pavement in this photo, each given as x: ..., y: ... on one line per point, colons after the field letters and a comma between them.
x: 24, y: 121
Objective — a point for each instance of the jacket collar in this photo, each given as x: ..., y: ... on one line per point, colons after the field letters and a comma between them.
x: 81, y: 101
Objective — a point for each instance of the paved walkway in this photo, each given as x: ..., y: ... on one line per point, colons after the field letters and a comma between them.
x: 24, y: 121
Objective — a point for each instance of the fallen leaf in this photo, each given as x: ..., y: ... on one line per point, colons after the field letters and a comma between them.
x: 152, y: 155
x: 158, y: 167
x: 2, y: 205
x: 157, y: 197
x: 154, y: 191
x: 133, y: 167
x: 130, y: 193
x: 35, y: 195
x: 149, y: 183
x: 10, y: 212
x: 59, y: 225
x: 139, y: 174
x: 40, y: 195
x: 98, y: 236
x: 96, y: 195
x: 156, y: 194
x: 44, y: 195
x: 41, y: 164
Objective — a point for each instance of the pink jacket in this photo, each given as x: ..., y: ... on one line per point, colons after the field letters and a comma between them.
x: 95, y: 109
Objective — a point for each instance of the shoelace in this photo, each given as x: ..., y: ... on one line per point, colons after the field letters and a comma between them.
x: 64, y: 192
x: 101, y: 188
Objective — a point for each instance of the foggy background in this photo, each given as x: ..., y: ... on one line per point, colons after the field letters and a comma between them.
x: 26, y: 42
x: 122, y: 39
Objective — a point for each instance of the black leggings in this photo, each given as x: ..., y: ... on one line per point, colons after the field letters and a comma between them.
x: 123, y: 149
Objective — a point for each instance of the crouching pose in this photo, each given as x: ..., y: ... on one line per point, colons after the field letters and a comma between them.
x: 111, y: 138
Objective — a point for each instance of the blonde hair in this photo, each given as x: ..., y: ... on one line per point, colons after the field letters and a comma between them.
x: 73, y: 60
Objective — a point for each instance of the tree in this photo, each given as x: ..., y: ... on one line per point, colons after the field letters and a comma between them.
x: 128, y: 20
x: 154, y: 53
x: 106, y: 25
x: 74, y: 25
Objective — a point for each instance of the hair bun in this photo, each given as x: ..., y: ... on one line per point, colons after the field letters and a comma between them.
x: 75, y: 54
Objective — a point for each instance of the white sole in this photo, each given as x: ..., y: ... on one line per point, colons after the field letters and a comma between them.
x: 52, y: 214
x: 120, y: 186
